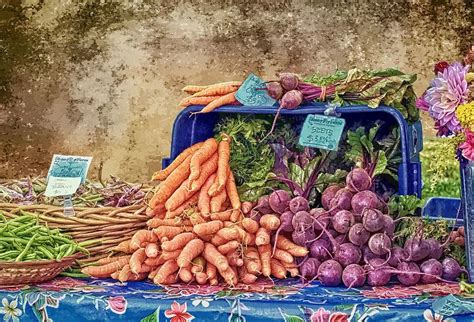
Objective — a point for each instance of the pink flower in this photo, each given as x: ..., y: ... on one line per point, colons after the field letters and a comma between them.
x: 447, y: 91
x: 178, y: 313
x: 117, y: 304
x: 467, y: 147
x: 421, y: 103
x: 428, y: 315
x: 321, y: 315
x: 439, y: 67
x: 62, y: 283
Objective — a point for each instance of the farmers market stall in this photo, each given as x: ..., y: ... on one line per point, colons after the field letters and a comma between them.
x: 285, y: 200
x: 109, y: 300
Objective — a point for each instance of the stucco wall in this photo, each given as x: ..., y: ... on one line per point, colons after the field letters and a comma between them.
x: 102, y: 78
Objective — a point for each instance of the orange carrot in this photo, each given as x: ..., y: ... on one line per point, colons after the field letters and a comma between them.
x: 218, y: 240
x: 219, y: 89
x: 171, y: 279
x: 211, y: 271
x: 196, y: 219
x: 171, y: 255
x: 193, y: 249
x: 265, y: 252
x: 283, y: 256
x: 285, y: 244
x: 168, y: 231
x: 204, y: 199
x: 187, y: 204
x: 229, y: 233
x: 207, y: 169
x: 178, y: 242
x: 228, y: 247
x: 136, y: 261
x: 223, y: 100
x: 212, y: 255
x: 185, y: 274
x: 167, y: 269
x: 250, y: 225
x: 270, y: 222
x: 158, y: 211
x: 218, y: 200
x: 251, y: 240
x: 141, y: 237
x: 124, y: 247
x: 236, y: 215
x: 262, y: 237
x: 201, y: 100
x: 234, y: 259
x: 294, y: 272
x: 153, y: 262
x: 172, y: 182
x: 107, y: 260
x: 278, y: 270
x: 252, y: 261
x: 222, y: 167
x: 208, y: 228
x: 229, y: 276
x: 115, y: 275
x: 201, y: 278
x: 163, y: 174
x: 246, y: 277
x: 152, y: 250
x: 191, y: 89
x: 198, y: 265
x: 222, y: 216
x: 107, y: 269
x: 156, y: 222
x: 152, y: 274
x: 206, y: 151
x: 213, y: 281
x: 178, y: 197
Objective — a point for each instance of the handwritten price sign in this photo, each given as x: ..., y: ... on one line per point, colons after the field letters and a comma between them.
x: 322, y: 132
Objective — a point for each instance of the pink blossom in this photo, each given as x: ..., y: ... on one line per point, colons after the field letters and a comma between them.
x: 117, y: 304
x: 178, y: 313
x: 467, y: 147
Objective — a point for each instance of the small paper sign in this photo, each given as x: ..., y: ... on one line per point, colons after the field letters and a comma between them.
x: 253, y: 92
x: 65, y: 174
x: 322, y: 132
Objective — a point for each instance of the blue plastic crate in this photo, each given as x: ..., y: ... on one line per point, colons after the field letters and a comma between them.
x: 445, y: 208
x: 188, y: 130
x: 467, y: 205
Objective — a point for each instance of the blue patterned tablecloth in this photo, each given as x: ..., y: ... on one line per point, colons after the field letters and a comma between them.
x: 68, y: 299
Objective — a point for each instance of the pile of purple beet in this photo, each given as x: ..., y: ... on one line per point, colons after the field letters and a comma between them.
x: 350, y: 239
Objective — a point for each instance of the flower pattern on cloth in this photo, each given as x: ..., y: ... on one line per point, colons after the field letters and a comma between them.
x: 428, y: 315
x: 178, y: 313
x: 204, y: 301
x: 400, y: 291
x: 10, y: 310
x: 117, y: 304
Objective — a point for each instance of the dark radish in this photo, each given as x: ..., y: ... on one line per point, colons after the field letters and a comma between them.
x: 274, y: 90
x: 372, y: 219
x: 330, y: 273
x: 263, y: 205
x: 341, y: 239
x: 298, y: 204
x: 321, y: 249
x: 388, y: 225
x: 348, y: 254
x: 279, y: 201
x: 358, y: 180
x: 397, y: 255
x: 290, y: 100
x: 328, y: 194
x: 302, y: 220
x: 411, y: 277
x: 302, y: 237
x: 367, y: 254
x: 342, y: 199
x: 321, y: 216
x: 288, y: 81
x: 380, y: 244
x: 358, y: 235
x: 417, y: 249
x: 364, y: 199
x: 451, y: 269
x: 436, y: 249
x: 353, y: 276
x: 331, y: 232
x: 378, y: 273
x: 309, y: 269
x: 434, y: 270
x: 342, y: 221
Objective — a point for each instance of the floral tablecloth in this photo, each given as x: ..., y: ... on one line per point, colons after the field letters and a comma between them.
x: 68, y: 299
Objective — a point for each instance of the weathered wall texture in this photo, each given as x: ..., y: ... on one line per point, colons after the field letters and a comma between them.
x: 102, y: 77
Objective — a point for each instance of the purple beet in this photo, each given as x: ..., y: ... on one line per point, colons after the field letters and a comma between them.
x: 353, y: 276
x: 298, y: 204
x: 364, y: 199
x: 321, y: 249
x: 274, y: 90
x: 433, y: 268
x: 328, y: 195
x: 291, y: 100
x: 288, y: 81
x: 358, y: 180
x: 342, y: 199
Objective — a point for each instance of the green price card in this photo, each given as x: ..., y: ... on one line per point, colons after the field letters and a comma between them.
x: 322, y: 132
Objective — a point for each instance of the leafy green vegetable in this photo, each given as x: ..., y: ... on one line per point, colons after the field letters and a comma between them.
x: 324, y: 80
x: 326, y: 179
x: 400, y: 206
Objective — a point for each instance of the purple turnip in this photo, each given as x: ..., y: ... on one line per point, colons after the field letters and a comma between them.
x: 342, y: 221
x: 380, y: 244
x: 451, y: 269
x: 274, y: 90
x: 397, y: 255
x: 321, y: 217
x: 321, y: 249
x: 353, y: 276
x: 372, y: 219
x: 302, y: 237
x: 436, y: 249
x: 279, y: 201
x: 309, y: 269
x: 378, y: 273
x: 263, y: 205
x: 328, y: 194
x: 411, y: 277
x: 298, y: 204
x: 364, y: 199
x: 358, y: 235
x: 288, y: 81
x: 417, y: 249
x: 342, y: 199
x: 434, y: 270
x: 388, y: 225
x: 341, y: 239
x: 367, y: 254
x: 330, y: 273
x: 302, y: 220
x: 358, y: 180
x: 348, y: 254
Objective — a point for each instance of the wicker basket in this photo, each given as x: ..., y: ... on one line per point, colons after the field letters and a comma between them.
x: 32, y: 272
x: 108, y: 225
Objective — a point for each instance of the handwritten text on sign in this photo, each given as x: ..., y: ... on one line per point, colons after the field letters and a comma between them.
x: 322, y: 132
x: 65, y: 174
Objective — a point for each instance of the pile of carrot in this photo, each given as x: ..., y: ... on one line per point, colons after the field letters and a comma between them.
x: 197, y: 232
x: 212, y: 96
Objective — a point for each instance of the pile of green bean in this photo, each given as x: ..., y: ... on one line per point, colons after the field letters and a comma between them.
x: 25, y: 239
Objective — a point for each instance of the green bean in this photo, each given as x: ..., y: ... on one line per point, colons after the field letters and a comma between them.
x: 23, y: 228
x: 62, y: 238
x: 70, y: 250
x: 74, y: 275
x: 46, y: 252
x: 27, y: 247
x: 10, y: 254
x: 89, y: 242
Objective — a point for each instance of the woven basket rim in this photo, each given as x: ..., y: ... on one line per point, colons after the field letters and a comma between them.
x: 40, y: 262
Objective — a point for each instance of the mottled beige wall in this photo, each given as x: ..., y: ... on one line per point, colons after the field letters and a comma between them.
x: 102, y: 78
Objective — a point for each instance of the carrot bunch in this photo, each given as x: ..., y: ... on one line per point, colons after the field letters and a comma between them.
x: 212, y: 96
x: 197, y: 232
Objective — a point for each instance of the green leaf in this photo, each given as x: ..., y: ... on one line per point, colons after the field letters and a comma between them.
x: 403, y: 205
x: 381, y: 163
x: 296, y: 174
x: 292, y: 318
x: 153, y: 317
x: 326, y: 179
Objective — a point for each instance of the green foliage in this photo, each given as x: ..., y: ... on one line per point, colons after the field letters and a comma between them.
x: 400, y: 206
